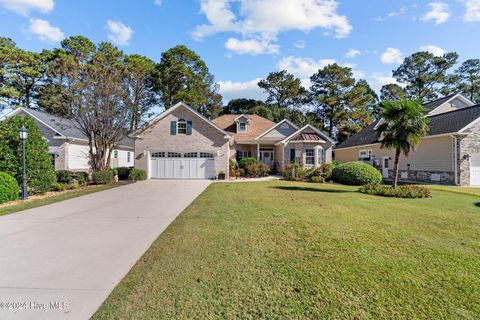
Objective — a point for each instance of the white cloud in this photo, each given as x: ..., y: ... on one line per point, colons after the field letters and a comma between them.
x: 352, y: 53
x: 392, y: 56
x: 24, y: 7
x: 435, y: 50
x: 45, y: 31
x: 157, y: 2
x: 120, y: 34
x: 300, y: 44
x: 392, y: 14
x: 303, y: 67
x: 266, y: 18
x: 252, y: 46
x: 378, y: 80
x: 439, y: 13
x: 472, y: 12
x: 248, y: 89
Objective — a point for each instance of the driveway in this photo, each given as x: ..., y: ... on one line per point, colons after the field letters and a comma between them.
x: 61, y: 261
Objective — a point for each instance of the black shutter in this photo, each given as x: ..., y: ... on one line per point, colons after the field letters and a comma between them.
x: 173, y: 128
x: 292, y: 155
x: 189, y: 127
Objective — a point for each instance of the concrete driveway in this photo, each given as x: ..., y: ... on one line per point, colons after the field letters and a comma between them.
x: 61, y: 261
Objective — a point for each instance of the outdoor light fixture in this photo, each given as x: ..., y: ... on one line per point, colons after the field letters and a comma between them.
x: 23, y: 132
x: 466, y: 157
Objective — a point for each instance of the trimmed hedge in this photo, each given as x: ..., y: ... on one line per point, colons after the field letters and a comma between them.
x: 9, y: 189
x: 102, y: 177
x: 137, y: 175
x: 405, y: 191
x: 356, y: 174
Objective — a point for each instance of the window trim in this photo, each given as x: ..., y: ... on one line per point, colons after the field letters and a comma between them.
x: 182, y: 130
x: 115, y: 154
x: 312, y: 157
x: 240, y: 127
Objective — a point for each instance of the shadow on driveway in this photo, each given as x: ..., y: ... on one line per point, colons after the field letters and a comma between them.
x: 310, y: 189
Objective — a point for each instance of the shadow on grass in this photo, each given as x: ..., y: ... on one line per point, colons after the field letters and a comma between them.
x: 291, y: 188
x: 477, y: 204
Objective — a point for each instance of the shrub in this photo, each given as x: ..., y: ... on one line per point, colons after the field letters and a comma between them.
x: 80, y: 177
x: 114, y: 171
x: 123, y: 173
x: 318, y: 179
x: 256, y: 170
x: 73, y: 186
x: 405, y: 191
x: 59, y: 187
x: 40, y: 171
x: 232, y: 167
x: 245, y: 162
x: 324, y: 171
x: 240, y: 172
x: 64, y: 176
x: 102, y: 177
x: 294, y: 172
x: 9, y: 189
x: 356, y: 174
x: 137, y: 175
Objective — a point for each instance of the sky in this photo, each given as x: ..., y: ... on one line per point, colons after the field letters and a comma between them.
x: 242, y: 41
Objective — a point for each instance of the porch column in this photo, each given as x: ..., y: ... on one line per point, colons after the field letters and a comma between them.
x: 258, y: 151
x: 316, y: 156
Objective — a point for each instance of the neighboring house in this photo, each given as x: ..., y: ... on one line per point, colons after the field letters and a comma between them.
x: 180, y: 143
x: 450, y: 154
x: 69, y: 146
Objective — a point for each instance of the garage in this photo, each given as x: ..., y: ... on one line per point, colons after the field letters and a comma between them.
x: 186, y: 165
x: 475, y: 170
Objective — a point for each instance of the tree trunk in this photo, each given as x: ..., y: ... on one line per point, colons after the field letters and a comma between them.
x: 395, y: 168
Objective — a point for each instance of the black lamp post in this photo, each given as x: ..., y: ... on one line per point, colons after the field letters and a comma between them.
x: 23, y: 136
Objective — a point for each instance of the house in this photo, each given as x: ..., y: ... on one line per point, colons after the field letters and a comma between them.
x: 69, y: 146
x: 180, y: 143
x: 450, y: 154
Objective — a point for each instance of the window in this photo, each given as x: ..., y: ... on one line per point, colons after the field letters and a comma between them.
x: 365, y: 155
x: 115, y: 154
x: 206, y: 155
x: 322, y: 154
x: 182, y: 126
x: 158, y: 155
x: 174, y: 155
x: 242, y: 127
x: 284, y: 126
x: 243, y: 154
x: 190, y: 155
x: 309, y: 156
x: 128, y: 156
x: 53, y: 155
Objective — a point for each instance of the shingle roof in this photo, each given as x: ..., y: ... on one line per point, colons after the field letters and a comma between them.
x: 429, y: 106
x: 256, y: 127
x: 448, y: 122
x: 308, y: 137
x: 67, y: 127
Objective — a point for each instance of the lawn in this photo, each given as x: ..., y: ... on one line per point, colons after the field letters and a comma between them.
x: 290, y: 250
x: 34, y: 203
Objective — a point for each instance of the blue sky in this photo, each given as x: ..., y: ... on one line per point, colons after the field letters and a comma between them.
x: 243, y: 40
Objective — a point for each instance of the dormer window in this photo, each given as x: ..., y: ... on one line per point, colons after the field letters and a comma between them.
x: 242, y: 127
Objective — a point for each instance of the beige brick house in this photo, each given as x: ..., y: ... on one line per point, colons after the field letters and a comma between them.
x: 182, y: 144
x: 450, y: 154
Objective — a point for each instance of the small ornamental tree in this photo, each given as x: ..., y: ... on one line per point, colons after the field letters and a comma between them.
x: 403, y: 126
x: 40, y: 171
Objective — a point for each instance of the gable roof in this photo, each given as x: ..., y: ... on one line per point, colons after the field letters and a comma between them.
x: 63, y: 127
x: 443, y: 123
x: 183, y: 105
x: 431, y: 106
x: 257, y: 126
x: 308, y: 126
x: 277, y: 125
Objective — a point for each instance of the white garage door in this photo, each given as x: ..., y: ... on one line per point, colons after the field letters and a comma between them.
x: 475, y: 170
x: 173, y: 165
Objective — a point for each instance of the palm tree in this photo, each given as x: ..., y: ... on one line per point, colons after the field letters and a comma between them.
x: 402, y: 126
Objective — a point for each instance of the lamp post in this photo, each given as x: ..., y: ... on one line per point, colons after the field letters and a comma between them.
x: 23, y: 136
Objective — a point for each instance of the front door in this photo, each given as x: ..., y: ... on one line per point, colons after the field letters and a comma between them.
x: 385, y: 166
x: 266, y: 157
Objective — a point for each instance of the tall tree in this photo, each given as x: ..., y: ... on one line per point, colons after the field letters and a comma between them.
x: 403, y: 126
x: 284, y: 91
x: 469, y: 79
x: 392, y: 92
x: 239, y: 106
x: 423, y: 73
x: 184, y: 76
x: 7, y: 46
x: 91, y: 91
x: 342, y: 103
x: 139, y: 82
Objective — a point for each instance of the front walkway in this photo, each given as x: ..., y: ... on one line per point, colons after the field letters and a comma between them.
x: 67, y: 257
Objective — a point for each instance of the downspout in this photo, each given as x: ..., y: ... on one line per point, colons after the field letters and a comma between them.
x: 455, y: 161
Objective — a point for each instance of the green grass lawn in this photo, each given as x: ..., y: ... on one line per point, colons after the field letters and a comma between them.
x: 30, y: 204
x: 290, y: 250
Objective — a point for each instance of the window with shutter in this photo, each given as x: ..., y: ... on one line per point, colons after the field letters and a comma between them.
x: 173, y: 128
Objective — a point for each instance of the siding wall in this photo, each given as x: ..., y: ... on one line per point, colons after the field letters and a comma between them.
x: 455, y: 104
x: 432, y: 154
